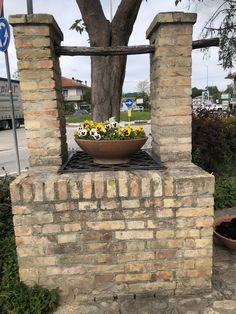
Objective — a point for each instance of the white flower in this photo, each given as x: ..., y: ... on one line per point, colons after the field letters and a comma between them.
x: 93, y: 132
x: 80, y: 127
x: 97, y: 137
x: 112, y: 119
x: 108, y: 126
x: 83, y: 132
x: 114, y: 124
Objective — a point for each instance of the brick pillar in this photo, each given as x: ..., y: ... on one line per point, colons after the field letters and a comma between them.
x: 36, y: 37
x: 171, y: 33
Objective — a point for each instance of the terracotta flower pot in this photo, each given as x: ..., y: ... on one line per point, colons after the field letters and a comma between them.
x: 231, y: 244
x: 111, y: 152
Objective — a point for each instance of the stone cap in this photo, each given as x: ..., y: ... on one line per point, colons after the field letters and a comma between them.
x: 170, y: 17
x: 34, y: 19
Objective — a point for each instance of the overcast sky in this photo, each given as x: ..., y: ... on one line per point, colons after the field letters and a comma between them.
x: 66, y: 12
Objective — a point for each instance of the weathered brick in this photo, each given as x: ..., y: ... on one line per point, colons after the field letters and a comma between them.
x: 123, y: 184
x: 164, y: 213
x: 27, y: 192
x: 74, y: 190
x: 110, y: 204
x: 66, y: 238
x: 106, y: 225
x: 165, y: 275
x: 50, y: 228
x: 22, y: 230
x: 166, y: 254
x: 111, y: 187
x: 168, y: 186
x: 99, y: 185
x: 29, y: 274
x: 146, y: 186
x: 66, y: 206
x: 134, y: 185
x: 72, y: 227
x: 160, y: 234
x: 133, y: 277
x: 187, y: 233
x: 135, y: 256
x: 156, y: 184
x: 126, y: 235
x: 21, y: 210
x: 135, y: 203
x: 135, y: 245
x: 90, y: 205
x: 136, y: 224
x: 194, y: 212
x: 135, y: 268
x: 62, y: 190
x: 49, y: 190
x: 87, y: 186
x: 96, y: 235
x: 38, y: 191
x: 204, y: 222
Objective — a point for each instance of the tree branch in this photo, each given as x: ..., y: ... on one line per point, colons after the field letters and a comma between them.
x: 96, y: 23
x: 123, y: 21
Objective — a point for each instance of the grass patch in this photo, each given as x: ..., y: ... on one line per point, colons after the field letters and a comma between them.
x: 15, y: 296
x: 136, y: 115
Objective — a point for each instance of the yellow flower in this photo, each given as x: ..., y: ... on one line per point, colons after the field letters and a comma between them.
x: 139, y: 129
x: 100, y: 128
x: 119, y: 132
x: 127, y: 131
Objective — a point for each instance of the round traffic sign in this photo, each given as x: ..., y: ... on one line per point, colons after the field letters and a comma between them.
x: 129, y: 102
x: 4, y: 34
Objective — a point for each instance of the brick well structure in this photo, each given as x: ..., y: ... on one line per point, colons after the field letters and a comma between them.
x: 106, y: 234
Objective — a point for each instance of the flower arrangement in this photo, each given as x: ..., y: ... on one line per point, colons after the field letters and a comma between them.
x: 108, y: 130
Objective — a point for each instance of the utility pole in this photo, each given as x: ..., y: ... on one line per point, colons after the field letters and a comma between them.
x: 29, y: 6
x: 111, y: 13
x: 207, y: 77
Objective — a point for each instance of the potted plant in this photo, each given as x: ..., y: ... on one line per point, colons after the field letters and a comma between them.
x: 109, y: 142
x: 225, y: 230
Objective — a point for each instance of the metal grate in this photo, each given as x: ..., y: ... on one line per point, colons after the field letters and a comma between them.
x: 82, y: 162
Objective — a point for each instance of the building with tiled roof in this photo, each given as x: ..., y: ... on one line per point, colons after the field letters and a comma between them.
x: 73, y: 91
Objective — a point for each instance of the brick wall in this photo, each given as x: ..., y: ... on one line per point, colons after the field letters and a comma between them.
x: 36, y: 36
x: 171, y: 70
x: 107, y: 234
x: 115, y: 233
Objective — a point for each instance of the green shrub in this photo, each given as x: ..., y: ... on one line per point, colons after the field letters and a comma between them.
x: 15, y: 296
x: 214, y: 140
x: 214, y: 149
x: 225, y: 191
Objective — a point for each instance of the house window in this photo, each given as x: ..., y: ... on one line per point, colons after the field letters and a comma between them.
x: 65, y: 92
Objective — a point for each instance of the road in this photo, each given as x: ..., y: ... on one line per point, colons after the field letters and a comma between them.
x: 8, y: 155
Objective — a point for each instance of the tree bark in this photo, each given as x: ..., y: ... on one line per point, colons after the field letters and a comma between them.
x: 107, y: 74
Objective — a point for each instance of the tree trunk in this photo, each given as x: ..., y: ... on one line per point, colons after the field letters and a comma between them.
x: 107, y: 80
x: 107, y: 75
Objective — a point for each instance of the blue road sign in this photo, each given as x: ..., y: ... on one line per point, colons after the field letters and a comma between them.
x: 4, y: 34
x: 129, y: 102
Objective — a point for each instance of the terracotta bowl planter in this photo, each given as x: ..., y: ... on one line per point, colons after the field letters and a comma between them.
x: 231, y: 244
x: 111, y: 152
